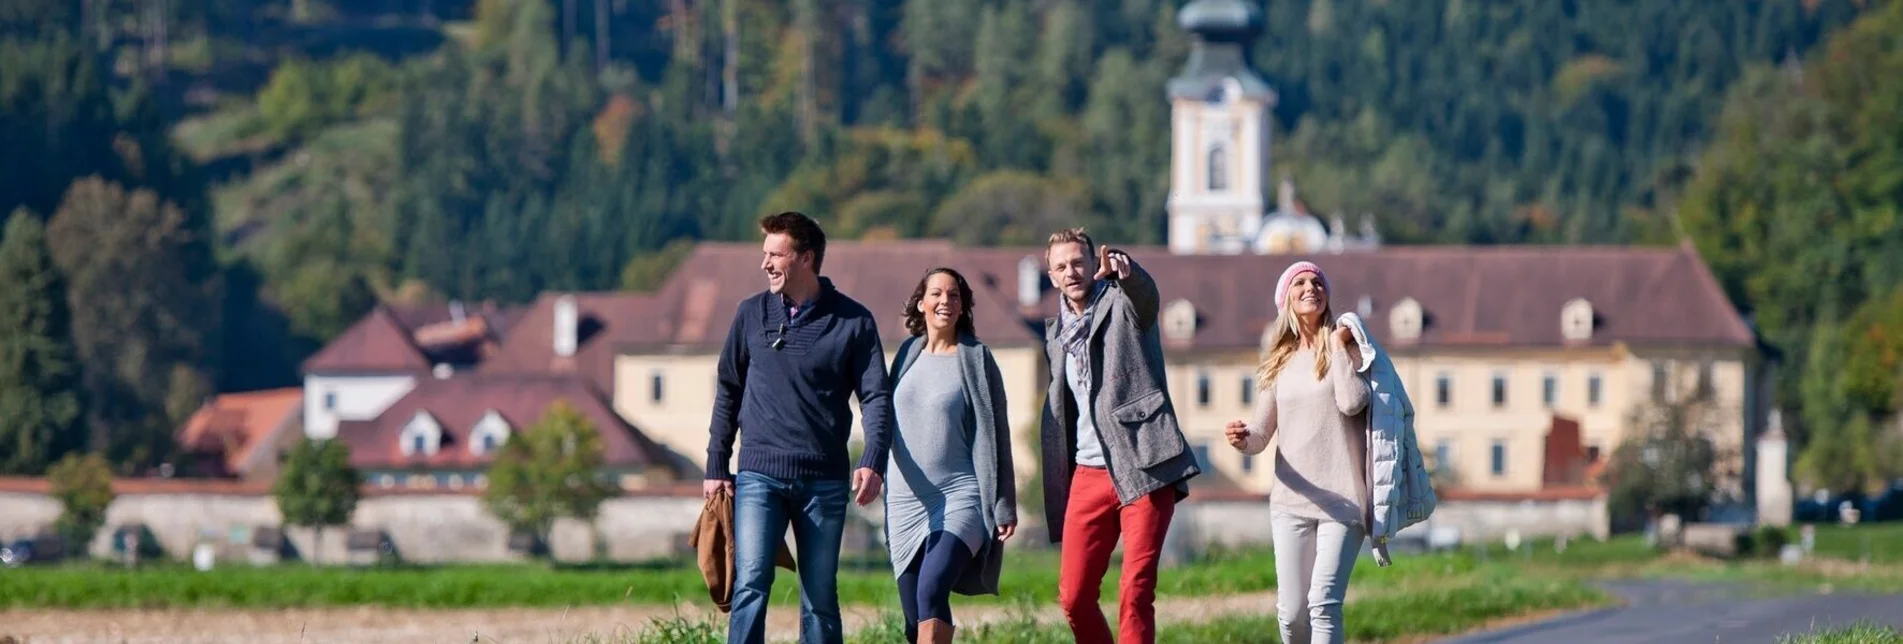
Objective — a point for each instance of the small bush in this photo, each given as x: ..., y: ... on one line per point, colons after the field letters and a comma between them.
x: 1770, y: 540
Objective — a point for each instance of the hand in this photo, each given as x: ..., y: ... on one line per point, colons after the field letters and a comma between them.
x: 1005, y: 531
x: 709, y: 486
x: 1238, y: 434
x: 1345, y: 338
x: 1112, y: 263
x: 865, y: 485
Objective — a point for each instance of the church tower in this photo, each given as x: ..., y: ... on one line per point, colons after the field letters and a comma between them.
x: 1219, y: 133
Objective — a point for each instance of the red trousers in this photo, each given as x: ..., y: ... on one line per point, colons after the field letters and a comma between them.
x: 1093, y: 521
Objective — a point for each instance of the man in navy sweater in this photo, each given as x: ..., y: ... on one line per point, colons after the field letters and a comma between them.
x: 793, y: 355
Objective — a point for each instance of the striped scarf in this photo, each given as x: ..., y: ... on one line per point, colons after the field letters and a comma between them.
x: 1075, y: 331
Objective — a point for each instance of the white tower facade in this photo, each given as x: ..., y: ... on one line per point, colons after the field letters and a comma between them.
x: 1219, y: 133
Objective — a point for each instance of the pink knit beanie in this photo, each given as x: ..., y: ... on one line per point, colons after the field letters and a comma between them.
x: 1288, y: 277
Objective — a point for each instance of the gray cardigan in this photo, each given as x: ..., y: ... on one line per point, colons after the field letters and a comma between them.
x: 990, y: 453
x: 1136, y: 422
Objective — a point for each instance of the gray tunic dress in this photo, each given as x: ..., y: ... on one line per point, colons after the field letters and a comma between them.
x: 933, y: 486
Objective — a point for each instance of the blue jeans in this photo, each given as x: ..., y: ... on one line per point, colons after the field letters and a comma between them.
x: 762, y: 508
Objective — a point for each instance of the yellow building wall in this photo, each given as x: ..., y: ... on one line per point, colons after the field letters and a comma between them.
x: 1467, y: 427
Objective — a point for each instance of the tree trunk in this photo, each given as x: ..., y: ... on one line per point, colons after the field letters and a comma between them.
x: 317, y: 544
x: 601, y: 35
x: 729, y: 79
x: 806, y: 23
x: 730, y: 59
x: 568, y: 26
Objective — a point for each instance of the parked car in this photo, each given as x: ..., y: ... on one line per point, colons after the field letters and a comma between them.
x: 23, y: 551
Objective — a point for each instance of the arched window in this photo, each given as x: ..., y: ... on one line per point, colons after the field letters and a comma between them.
x: 1218, y: 168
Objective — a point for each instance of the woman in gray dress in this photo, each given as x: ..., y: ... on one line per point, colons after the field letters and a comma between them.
x: 950, y: 500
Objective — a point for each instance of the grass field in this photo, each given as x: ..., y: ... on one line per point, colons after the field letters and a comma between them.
x: 1860, y: 634
x: 1031, y: 577
x: 1417, y: 602
x: 1220, y: 598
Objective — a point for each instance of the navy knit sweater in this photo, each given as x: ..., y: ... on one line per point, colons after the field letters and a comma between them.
x: 792, y: 400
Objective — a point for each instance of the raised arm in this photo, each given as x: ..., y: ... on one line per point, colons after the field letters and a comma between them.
x: 875, y: 396
x: 729, y: 386
x: 1145, y: 300
x: 1351, y: 385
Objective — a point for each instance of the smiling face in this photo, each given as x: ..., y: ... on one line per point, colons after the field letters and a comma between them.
x: 1308, y: 298
x: 943, y: 304
x: 1073, y: 270
x: 781, y: 261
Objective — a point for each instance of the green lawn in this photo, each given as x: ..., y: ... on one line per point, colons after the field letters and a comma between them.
x: 1859, y: 634
x: 1882, y: 542
x: 1032, y: 576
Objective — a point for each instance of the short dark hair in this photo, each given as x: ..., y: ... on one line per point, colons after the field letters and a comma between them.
x: 915, y: 320
x: 805, y: 233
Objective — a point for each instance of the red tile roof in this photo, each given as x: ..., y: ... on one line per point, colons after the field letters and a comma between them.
x: 1470, y: 296
x: 458, y: 403
x: 230, y: 427
x: 412, y: 338
x: 605, y: 321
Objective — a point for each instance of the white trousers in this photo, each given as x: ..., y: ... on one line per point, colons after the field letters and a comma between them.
x: 1312, y: 562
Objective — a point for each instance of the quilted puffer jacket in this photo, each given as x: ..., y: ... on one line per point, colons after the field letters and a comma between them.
x: 1398, y: 489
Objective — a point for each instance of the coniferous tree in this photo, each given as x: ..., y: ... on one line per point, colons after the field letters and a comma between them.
x: 39, y: 373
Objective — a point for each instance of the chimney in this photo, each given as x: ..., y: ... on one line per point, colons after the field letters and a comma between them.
x: 567, y: 321
x: 456, y: 311
x: 1030, y: 281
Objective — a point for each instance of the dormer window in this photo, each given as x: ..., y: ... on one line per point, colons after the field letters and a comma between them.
x: 489, y: 434
x: 1404, y: 321
x: 1179, y: 321
x: 422, y: 436
x: 1576, y: 321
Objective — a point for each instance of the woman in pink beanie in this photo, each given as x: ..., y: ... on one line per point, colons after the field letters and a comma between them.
x: 1311, y: 393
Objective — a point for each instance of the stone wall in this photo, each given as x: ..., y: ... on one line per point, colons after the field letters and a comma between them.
x: 446, y: 527
x: 1242, y: 522
x: 422, y: 528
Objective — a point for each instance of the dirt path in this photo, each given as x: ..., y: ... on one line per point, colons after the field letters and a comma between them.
x: 507, y: 625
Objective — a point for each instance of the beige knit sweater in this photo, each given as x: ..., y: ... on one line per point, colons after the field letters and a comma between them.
x: 1320, y: 462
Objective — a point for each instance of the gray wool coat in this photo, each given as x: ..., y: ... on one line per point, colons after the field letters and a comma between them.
x: 990, y: 453
x: 1136, y: 421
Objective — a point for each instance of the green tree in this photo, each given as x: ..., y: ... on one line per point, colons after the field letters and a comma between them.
x: 1667, y: 464
x: 1010, y: 207
x: 83, y: 486
x: 1795, y: 205
x: 139, y: 284
x: 317, y: 489
x: 39, y: 374
x: 548, y: 471
x: 647, y: 272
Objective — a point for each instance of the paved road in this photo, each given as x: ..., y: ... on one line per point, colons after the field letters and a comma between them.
x: 1685, y: 612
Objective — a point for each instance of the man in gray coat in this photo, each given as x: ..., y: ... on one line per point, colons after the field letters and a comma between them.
x: 1115, y: 461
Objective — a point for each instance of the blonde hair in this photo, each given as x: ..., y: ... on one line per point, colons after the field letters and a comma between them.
x: 1285, y: 336
x: 1072, y: 236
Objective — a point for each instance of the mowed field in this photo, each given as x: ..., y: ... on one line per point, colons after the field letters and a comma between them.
x: 1223, y: 597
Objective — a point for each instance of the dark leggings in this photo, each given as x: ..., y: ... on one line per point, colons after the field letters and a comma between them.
x: 926, y: 586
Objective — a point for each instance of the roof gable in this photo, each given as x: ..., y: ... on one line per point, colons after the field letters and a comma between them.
x: 457, y: 405
x: 234, y: 426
